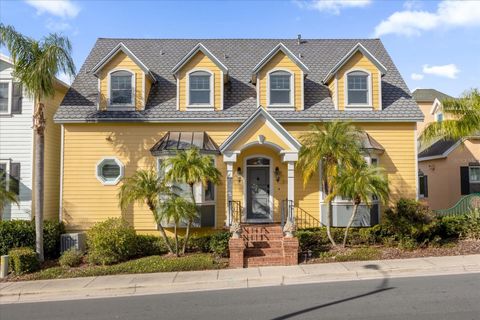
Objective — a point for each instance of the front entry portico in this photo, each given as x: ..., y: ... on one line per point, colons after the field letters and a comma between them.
x: 260, y: 157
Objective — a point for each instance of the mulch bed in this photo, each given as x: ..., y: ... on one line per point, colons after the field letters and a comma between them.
x: 462, y: 247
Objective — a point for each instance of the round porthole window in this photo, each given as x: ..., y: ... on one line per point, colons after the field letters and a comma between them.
x: 109, y: 171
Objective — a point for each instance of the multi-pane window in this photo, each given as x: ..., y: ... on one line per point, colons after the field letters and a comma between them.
x: 4, y: 97
x: 474, y: 174
x: 199, y: 91
x: 121, y: 88
x: 109, y: 171
x: 280, y: 87
x: 357, y: 82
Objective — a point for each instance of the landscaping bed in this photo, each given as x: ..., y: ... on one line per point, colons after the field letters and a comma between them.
x: 151, y: 264
x: 379, y: 252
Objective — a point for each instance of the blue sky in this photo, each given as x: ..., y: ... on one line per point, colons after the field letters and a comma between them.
x: 435, y: 44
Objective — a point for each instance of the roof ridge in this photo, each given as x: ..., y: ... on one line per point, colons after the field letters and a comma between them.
x: 200, y: 39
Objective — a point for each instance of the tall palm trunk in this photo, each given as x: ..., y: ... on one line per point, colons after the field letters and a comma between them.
x: 39, y: 132
x: 176, y: 238
x: 329, y: 217
x: 187, y: 232
x: 160, y: 227
x: 350, y: 222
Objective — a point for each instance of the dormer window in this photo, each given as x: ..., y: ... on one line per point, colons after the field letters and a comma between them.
x: 121, y: 88
x: 200, y: 88
x: 280, y: 88
x: 358, y: 88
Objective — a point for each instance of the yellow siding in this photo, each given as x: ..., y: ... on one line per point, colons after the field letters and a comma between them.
x: 86, y: 200
x: 122, y: 61
x: 52, y: 156
x: 281, y: 61
x: 202, y: 62
x: 332, y: 87
x: 359, y: 61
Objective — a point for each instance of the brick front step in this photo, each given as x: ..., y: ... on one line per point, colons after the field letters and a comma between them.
x: 263, y: 245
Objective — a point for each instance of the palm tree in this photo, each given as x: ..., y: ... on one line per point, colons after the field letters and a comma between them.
x: 191, y: 167
x: 6, y: 196
x: 176, y: 209
x: 335, y: 143
x: 144, y: 186
x: 36, y: 63
x: 361, y: 183
x: 464, y: 118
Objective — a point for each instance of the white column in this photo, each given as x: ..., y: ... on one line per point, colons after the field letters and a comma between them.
x: 229, y: 191
x: 291, y: 181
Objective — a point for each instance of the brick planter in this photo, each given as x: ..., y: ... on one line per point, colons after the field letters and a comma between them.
x: 236, y: 246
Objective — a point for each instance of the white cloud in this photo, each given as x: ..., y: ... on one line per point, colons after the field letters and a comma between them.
x: 332, y: 6
x: 447, y: 70
x: 57, y: 26
x: 417, y: 76
x: 412, y: 4
x: 59, y: 8
x: 449, y: 14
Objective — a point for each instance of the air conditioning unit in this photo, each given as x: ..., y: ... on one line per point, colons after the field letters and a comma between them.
x: 73, y: 241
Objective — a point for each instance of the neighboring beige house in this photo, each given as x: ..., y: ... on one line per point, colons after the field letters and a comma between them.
x: 448, y: 169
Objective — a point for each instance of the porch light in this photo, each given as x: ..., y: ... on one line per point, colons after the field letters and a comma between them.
x: 277, y: 174
x: 239, y: 174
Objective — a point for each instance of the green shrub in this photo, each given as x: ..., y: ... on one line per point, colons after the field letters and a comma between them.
x: 21, y: 233
x: 23, y: 260
x: 111, y: 241
x: 200, y: 243
x: 410, y: 220
x: 472, y: 226
x: 219, y: 243
x: 451, y: 227
x: 149, y: 245
x: 71, y: 258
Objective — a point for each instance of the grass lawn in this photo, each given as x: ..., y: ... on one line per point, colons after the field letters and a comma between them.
x: 200, y: 261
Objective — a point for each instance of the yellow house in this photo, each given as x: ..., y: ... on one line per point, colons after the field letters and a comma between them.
x: 246, y: 103
x: 448, y: 169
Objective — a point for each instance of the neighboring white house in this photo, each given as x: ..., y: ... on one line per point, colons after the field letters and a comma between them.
x: 16, y: 144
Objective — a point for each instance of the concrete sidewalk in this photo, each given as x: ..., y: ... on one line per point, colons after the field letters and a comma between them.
x: 172, y: 282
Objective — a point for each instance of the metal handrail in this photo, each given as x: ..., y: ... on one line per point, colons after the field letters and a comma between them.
x: 288, y: 209
x: 465, y: 205
x: 234, y: 212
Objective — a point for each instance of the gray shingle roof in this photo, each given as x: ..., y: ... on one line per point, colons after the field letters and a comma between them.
x: 240, y: 56
x: 429, y: 95
x: 438, y: 148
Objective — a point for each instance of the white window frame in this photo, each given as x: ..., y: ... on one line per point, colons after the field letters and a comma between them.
x: 7, y: 172
x: 470, y: 176
x: 126, y: 106
x: 200, y: 107
x: 359, y: 106
x: 289, y: 106
x: 98, y: 170
x: 10, y: 95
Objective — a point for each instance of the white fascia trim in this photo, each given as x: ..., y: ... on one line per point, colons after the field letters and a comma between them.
x: 205, y: 51
x: 436, y: 104
x: 6, y: 58
x: 302, y: 91
x: 200, y: 107
x: 122, y: 107
x: 62, y: 143
x: 272, y: 53
x: 257, y: 84
x: 270, y: 121
x: 99, y: 94
x: 124, y: 49
x: 222, y: 87
x: 178, y: 95
x: 284, y: 107
x: 358, y: 107
x: 142, y: 107
x: 449, y: 150
x: 380, y: 95
x: 365, y: 52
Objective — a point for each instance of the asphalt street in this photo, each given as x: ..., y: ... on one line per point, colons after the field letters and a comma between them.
x: 440, y: 297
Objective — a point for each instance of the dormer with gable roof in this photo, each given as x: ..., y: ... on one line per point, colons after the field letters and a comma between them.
x: 124, y: 81
x: 200, y: 81
x: 279, y: 78
x: 355, y: 82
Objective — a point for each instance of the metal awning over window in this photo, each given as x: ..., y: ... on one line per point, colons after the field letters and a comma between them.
x: 370, y: 144
x: 174, y: 141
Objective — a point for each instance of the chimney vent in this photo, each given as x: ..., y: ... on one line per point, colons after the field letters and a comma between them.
x: 299, y: 39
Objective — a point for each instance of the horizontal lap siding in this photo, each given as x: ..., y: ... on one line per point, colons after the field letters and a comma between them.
x: 281, y: 61
x: 200, y: 61
x: 86, y: 201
